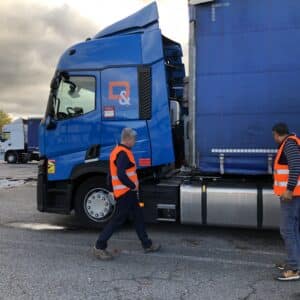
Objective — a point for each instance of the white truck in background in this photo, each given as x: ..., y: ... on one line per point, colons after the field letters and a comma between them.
x: 19, y: 141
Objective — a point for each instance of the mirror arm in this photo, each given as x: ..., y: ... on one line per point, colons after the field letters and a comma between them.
x: 50, y: 123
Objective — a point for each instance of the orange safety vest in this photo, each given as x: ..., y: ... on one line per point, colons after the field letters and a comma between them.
x: 119, y: 188
x: 281, y: 172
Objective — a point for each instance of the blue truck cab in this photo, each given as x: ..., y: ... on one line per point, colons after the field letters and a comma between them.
x: 125, y: 76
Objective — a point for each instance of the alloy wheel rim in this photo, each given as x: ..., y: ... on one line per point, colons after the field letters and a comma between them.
x: 98, y: 205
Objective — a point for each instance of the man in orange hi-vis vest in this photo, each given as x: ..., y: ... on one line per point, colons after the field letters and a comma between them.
x: 287, y: 187
x: 125, y: 185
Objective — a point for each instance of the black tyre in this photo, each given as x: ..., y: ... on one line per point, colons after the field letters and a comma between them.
x: 94, y: 205
x: 23, y: 158
x: 11, y: 157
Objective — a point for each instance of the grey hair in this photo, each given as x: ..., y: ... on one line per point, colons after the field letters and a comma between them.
x: 128, y: 133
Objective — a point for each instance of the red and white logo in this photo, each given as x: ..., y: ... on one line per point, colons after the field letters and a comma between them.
x: 123, y: 94
x: 109, y: 112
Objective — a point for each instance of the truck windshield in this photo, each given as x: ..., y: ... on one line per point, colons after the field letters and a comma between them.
x: 75, y: 96
x: 5, y: 136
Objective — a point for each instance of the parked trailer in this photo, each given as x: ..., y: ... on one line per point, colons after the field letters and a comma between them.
x: 19, y: 141
x: 243, y: 78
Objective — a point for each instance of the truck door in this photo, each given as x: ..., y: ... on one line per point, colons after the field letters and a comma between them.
x: 77, y: 123
x: 126, y: 101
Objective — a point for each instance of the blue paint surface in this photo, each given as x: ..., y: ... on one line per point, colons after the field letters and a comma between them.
x: 145, y: 18
x: 247, y: 79
x: 33, y: 136
x: 102, y: 53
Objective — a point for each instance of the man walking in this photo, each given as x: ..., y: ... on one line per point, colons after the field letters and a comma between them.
x: 125, y: 187
x: 287, y: 187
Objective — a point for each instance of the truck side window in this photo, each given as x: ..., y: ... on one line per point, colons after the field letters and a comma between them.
x: 75, y: 97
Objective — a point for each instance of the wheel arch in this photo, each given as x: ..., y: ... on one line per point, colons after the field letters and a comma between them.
x: 84, y: 177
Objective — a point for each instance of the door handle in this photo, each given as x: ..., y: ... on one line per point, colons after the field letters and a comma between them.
x: 92, y: 152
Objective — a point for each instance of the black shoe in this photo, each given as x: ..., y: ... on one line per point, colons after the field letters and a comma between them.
x: 152, y: 248
x: 289, y: 275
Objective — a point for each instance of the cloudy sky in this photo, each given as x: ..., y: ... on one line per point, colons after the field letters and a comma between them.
x: 33, y: 34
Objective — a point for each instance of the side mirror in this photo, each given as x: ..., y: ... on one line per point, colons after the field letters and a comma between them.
x: 50, y: 123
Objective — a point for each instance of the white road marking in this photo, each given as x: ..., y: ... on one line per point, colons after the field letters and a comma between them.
x: 201, y: 259
x: 35, y: 226
x: 5, y: 183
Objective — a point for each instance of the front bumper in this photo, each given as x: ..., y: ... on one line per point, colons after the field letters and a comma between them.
x: 52, y: 196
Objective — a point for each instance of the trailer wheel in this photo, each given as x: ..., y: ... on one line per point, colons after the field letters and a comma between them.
x: 94, y: 204
x: 11, y: 157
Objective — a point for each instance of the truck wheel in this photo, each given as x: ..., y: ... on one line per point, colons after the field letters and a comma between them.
x: 23, y: 158
x: 11, y: 157
x: 94, y: 205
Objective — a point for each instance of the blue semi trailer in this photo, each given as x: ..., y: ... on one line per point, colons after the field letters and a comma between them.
x: 203, y: 159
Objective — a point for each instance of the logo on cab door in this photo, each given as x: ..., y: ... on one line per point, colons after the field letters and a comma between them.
x: 119, y: 90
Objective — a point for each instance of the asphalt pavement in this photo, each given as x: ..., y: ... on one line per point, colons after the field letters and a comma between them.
x: 48, y: 256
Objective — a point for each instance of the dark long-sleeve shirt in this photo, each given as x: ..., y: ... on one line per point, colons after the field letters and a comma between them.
x: 292, y: 155
x: 122, y: 162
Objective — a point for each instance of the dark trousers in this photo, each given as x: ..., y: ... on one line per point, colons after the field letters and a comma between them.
x: 289, y: 229
x: 127, y: 206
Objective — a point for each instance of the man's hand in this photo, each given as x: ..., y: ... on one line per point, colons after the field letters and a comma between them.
x: 287, y: 195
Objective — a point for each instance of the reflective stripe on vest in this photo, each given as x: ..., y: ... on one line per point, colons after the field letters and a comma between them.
x: 119, y: 188
x: 283, y: 183
x: 281, y: 172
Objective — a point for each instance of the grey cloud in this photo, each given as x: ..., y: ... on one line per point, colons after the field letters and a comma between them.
x: 32, y: 38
